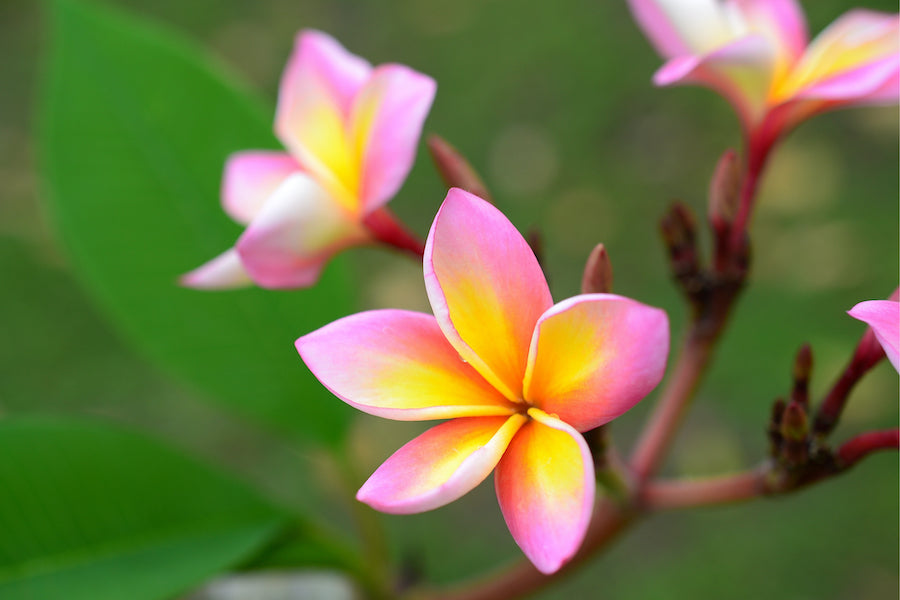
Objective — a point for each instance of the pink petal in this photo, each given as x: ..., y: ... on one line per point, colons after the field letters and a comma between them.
x: 397, y: 364
x: 782, y: 21
x: 296, y: 231
x: 595, y: 356
x: 486, y: 288
x: 688, y: 27
x: 855, y: 42
x: 883, y: 316
x: 315, y: 103
x: 741, y: 71
x: 441, y: 465
x: 545, y: 485
x: 320, y: 60
x: 388, y: 118
x: 250, y: 178
x: 872, y: 83
x: 658, y: 28
x: 221, y: 273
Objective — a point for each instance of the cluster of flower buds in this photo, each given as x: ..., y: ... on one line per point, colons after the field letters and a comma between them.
x: 789, y: 427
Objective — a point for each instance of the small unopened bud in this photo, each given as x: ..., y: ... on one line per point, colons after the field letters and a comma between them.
x: 774, y: 429
x: 679, y: 228
x: 598, y: 272
x: 454, y: 169
x: 725, y: 190
x: 802, y: 370
x: 794, y: 424
x: 795, y: 432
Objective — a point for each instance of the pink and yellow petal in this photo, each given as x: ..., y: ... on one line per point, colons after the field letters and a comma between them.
x: 315, y: 104
x: 873, y: 83
x: 296, y: 231
x: 782, y: 22
x: 854, y: 40
x: 685, y: 27
x: 595, y: 356
x: 441, y: 465
x: 221, y: 273
x: 545, y: 486
x: 741, y: 71
x: 883, y: 316
x: 659, y: 28
x: 397, y: 364
x: 319, y: 60
x: 250, y: 178
x: 486, y: 288
x: 387, y: 122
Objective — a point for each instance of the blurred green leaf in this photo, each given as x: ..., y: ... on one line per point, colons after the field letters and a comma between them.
x: 136, y: 126
x: 88, y: 511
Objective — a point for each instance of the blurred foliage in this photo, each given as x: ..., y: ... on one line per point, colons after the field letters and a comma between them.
x: 91, y: 512
x: 552, y: 103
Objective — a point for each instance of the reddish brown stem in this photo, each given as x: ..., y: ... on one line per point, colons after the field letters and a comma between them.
x: 864, y: 444
x: 387, y: 229
x: 758, y: 150
x: 867, y: 354
x: 660, y: 495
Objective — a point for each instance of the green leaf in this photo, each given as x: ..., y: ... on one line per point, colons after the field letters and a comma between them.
x: 88, y: 511
x: 135, y: 129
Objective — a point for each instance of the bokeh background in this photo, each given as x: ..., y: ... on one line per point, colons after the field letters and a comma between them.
x: 552, y: 102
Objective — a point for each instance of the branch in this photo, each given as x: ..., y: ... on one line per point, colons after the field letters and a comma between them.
x: 685, y: 493
x: 867, y: 354
x: 667, y: 415
x: 854, y: 450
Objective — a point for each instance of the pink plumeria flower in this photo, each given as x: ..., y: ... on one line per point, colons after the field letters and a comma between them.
x: 883, y: 316
x: 351, y: 132
x: 518, y: 377
x: 756, y: 54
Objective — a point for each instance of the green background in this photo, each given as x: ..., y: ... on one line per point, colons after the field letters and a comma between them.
x: 551, y: 101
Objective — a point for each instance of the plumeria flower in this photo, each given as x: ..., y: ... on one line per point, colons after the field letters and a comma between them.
x: 883, y: 316
x: 756, y: 54
x: 518, y: 378
x: 351, y: 132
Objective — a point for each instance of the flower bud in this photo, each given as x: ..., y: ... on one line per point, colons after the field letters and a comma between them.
x: 598, y: 273
x: 795, y: 431
x: 724, y: 191
x: 454, y: 169
x: 774, y: 429
x: 679, y: 232
x: 802, y: 370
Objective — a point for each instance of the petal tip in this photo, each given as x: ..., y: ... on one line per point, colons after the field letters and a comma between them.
x: 223, y: 272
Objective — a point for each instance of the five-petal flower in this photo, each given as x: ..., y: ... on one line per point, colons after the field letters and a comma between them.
x: 757, y: 55
x: 351, y: 132
x: 883, y: 316
x: 518, y: 376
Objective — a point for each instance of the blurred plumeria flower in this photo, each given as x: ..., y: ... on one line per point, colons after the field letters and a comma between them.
x: 756, y: 54
x: 351, y: 132
x: 518, y: 376
x: 883, y: 316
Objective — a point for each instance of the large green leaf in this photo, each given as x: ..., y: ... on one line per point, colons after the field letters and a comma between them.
x: 88, y: 511
x: 136, y: 126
